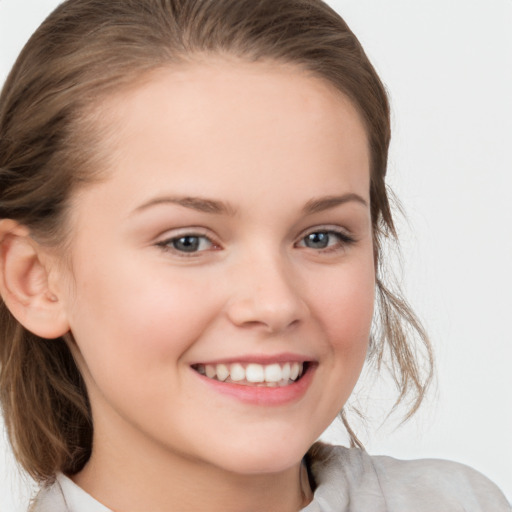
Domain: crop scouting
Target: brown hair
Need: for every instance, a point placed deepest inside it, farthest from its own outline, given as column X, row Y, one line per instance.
column 89, row 49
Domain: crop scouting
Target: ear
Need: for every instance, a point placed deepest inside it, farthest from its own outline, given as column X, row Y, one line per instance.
column 24, row 283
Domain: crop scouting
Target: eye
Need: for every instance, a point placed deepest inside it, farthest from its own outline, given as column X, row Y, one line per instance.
column 188, row 243
column 325, row 239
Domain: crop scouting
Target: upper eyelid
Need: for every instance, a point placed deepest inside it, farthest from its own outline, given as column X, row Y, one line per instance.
column 169, row 235
column 184, row 235
column 327, row 228
column 166, row 239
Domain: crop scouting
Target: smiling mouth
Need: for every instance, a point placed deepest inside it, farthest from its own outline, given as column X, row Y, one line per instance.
column 252, row 374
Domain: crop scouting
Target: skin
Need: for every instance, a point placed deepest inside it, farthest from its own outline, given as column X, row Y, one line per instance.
column 266, row 140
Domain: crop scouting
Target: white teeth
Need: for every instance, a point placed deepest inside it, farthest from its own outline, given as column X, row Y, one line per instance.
column 254, row 373
column 294, row 371
column 237, row 372
column 222, row 372
column 210, row 371
column 286, row 371
column 273, row 373
column 270, row 375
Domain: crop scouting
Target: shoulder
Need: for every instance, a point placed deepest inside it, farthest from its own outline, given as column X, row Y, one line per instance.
column 65, row 496
column 49, row 499
column 444, row 483
column 427, row 485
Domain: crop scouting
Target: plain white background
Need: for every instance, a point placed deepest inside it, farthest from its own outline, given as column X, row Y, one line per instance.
column 447, row 66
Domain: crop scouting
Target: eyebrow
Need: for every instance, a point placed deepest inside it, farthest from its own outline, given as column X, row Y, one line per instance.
column 325, row 203
column 195, row 203
column 214, row 206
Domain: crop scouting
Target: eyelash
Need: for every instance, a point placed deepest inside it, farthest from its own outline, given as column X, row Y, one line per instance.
column 343, row 240
column 168, row 245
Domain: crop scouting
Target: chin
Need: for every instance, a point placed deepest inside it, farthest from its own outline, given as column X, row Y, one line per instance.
column 265, row 458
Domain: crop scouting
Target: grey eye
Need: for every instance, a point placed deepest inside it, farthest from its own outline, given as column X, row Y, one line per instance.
column 319, row 240
column 188, row 243
column 326, row 240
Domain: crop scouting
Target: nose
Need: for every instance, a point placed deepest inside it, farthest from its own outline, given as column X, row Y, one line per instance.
column 266, row 295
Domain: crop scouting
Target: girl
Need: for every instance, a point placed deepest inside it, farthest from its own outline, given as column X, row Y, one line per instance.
column 193, row 204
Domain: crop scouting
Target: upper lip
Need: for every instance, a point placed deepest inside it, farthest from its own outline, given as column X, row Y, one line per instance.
column 259, row 359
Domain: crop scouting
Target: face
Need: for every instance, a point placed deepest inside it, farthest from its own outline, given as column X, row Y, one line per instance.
column 222, row 277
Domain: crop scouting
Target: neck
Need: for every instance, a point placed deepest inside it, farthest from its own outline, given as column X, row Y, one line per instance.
column 191, row 488
column 146, row 477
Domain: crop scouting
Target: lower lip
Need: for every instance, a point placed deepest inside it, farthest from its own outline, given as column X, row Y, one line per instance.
column 260, row 395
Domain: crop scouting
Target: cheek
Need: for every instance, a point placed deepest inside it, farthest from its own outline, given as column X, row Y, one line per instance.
column 345, row 308
column 347, row 313
column 126, row 320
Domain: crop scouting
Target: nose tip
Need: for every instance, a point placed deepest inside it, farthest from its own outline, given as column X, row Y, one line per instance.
column 256, row 312
column 269, row 301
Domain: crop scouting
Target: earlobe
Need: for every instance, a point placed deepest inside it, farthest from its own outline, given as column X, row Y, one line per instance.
column 24, row 284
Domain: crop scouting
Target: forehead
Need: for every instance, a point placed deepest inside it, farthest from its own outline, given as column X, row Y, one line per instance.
column 254, row 123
